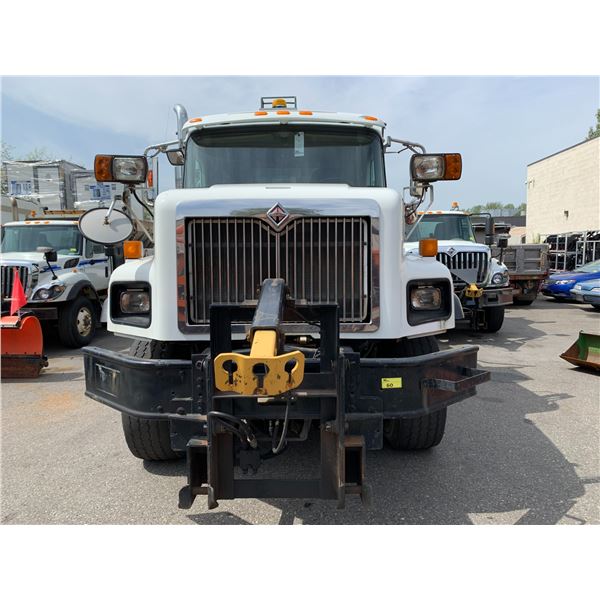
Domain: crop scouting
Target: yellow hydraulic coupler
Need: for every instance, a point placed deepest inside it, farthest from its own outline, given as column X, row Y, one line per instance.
column 263, row 373
column 473, row 291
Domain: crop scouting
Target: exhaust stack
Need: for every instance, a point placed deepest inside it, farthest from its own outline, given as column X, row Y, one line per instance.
column 182, row 117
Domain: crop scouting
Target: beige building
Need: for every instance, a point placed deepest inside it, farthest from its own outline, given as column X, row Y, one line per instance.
column 563, row 191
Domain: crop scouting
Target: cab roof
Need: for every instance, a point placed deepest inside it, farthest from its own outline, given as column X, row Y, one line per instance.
column 283, row 116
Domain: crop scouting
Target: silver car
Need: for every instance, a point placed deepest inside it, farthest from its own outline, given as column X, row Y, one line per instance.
column 587, row 292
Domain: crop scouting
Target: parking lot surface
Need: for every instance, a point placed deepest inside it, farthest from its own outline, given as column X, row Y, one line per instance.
column 524, row 450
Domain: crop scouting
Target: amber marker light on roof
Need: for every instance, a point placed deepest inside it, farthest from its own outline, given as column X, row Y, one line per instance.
column 305, row 112
column 261, row 113
column 370, row 118
column 195, row 120
column 428, row 247
column 283, row 112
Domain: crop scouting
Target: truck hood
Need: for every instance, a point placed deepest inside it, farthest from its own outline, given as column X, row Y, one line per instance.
column 22, row 259
column 449, row 245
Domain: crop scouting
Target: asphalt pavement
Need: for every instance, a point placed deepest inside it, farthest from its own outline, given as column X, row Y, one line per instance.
column 525, row 450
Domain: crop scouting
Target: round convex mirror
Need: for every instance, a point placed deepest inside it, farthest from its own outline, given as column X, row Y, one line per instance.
column 96, row 227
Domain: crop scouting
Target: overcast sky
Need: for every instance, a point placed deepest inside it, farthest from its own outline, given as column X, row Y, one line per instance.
column 498, row 124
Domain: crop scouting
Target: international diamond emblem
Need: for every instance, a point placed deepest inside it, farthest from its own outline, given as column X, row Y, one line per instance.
column 451, row 252
column 277, row 215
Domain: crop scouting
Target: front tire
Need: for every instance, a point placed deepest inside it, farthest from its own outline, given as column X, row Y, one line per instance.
column 149, row 439
column 494, row 317
column 77, row 323
column 417, row 433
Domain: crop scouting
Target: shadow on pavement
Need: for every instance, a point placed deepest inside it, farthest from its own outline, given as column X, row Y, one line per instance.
column 492, row 460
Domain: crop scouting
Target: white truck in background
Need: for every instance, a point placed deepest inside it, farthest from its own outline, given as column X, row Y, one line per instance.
column 480, row 280
column 64, row 276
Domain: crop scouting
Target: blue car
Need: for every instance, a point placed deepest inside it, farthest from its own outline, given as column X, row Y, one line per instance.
column 558, row 285
column 587, row 292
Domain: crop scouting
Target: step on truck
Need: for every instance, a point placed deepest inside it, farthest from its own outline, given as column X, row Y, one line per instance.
column 480, row 280
column 280, row 305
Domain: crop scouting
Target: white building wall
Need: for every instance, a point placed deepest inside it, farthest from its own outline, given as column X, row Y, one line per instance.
column 563, row 191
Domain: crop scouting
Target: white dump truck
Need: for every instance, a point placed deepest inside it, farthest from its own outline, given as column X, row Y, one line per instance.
column 64, row 276
column 480, row 280
column 280, row 299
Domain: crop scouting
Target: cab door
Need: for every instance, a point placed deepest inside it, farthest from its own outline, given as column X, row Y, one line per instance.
column 94, row 264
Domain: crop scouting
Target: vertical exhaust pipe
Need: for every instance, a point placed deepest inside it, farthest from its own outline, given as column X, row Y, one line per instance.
column 182, row 117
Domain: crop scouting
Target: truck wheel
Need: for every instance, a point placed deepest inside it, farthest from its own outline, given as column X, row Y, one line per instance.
column 494, row 317
column 417, row 433
column 77, row 323
column 149, row 439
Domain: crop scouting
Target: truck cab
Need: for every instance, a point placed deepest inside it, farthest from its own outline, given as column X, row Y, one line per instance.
column 64, row 276
column 280, row 295
column 480, row 280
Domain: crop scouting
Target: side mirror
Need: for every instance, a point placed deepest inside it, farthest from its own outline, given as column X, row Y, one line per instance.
column 176, row 157
column 489, row 239
column 49, row 253
column 502, row 242
column 120, row 169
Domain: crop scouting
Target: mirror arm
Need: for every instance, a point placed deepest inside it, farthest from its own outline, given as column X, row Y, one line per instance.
column 160, row 148
column 410, row 145
column 50, row 267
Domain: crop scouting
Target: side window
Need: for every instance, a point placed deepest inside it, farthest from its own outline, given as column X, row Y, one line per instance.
column 92, row 249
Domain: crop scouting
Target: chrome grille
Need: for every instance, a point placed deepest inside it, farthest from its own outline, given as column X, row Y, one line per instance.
column 475, row 262
column 7, row 276
column 322, row 259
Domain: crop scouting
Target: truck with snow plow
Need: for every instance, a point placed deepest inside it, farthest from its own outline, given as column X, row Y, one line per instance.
column 280, row 304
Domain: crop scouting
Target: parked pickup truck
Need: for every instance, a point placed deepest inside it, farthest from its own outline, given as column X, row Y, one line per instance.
column 527, row 264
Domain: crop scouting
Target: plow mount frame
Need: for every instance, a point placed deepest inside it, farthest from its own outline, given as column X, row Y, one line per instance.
column 320, row 397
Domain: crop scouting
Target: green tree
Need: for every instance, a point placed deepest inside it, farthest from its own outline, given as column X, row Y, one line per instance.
column 7, row 151
column 40, row 154
column 509, row 209
column 594, row 133
column 521, row 210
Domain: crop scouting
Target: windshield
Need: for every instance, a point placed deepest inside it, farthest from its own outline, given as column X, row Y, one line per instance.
column 591, row 267
column 65, row 239
column 285, row 154
column 443, row 227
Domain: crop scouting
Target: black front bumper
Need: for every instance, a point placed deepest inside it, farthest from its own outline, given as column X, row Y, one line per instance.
column 378, row 389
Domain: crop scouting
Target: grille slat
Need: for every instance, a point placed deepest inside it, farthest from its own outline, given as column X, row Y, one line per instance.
column 472, row 261
column 7, row 276
column 322, row 259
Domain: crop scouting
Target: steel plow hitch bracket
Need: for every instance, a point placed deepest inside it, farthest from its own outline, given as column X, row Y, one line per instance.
column 264, row 372
column 259, row 374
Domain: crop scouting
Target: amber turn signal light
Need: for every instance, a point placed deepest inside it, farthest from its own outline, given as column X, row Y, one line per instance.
column 133, row 249
column 103, row 167
column 428, row 247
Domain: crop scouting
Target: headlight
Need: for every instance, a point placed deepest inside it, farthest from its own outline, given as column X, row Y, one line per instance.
column 54, row 291
column 500, row 278
column 135, row 301
column 426, row 297
column 433, row 167
column 565, row 281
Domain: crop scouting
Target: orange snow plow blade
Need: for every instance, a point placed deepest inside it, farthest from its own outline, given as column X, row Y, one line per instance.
column 21, row 347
